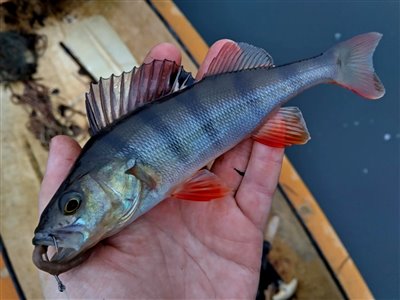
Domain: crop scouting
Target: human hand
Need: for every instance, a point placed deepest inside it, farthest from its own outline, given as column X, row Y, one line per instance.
column 179, row 249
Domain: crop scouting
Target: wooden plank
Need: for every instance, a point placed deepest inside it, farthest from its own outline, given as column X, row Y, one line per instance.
column 98, row 47
column 302, row 199
column 294, row 256
column 186, row 32
column 7, row 289
column 19, row 190
column 137, row 25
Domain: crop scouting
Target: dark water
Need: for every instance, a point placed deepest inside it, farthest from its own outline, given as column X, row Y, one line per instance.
column 351, row 164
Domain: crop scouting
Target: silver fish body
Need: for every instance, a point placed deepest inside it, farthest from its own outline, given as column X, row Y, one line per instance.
column 179, row 135
column 169, row 139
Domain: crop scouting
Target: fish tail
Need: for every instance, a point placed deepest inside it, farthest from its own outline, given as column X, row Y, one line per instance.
column 355, row 70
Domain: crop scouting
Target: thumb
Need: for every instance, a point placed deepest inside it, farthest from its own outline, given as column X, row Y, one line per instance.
column 62, row 155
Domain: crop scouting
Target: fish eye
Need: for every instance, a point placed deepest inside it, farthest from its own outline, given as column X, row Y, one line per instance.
column 72, row 204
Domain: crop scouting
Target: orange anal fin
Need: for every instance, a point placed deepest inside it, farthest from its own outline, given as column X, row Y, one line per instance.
column 284, row 128
column 203, row 186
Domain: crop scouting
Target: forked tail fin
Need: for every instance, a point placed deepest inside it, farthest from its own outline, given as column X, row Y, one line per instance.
column 355, row 66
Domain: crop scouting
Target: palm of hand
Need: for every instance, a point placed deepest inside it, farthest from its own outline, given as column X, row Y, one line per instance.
column 179, row 249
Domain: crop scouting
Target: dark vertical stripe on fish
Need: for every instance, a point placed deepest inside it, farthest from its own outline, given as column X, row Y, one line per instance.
column 114, row 141
column 207, row 125
column 156, row 122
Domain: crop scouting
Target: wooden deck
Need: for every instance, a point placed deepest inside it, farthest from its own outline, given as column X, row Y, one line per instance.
column 23, row 160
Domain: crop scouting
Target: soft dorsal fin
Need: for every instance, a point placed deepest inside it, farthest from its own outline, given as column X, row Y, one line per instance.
column 239, row 56
column 114, row 97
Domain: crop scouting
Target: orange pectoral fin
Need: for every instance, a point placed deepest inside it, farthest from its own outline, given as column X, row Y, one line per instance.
column 143, row 173
column 203, row 186
column 284, row 128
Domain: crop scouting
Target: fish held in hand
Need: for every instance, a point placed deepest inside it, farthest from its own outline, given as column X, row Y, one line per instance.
column 155, row 128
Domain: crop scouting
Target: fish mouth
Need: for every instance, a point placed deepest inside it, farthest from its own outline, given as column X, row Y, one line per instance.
column 64, row 259
column 40, row 260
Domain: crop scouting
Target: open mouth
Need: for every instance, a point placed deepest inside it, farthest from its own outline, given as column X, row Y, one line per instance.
column 64, row 259
column 40, row 259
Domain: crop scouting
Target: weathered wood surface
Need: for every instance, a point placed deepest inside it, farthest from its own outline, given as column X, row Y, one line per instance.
column 19, row 189
column 294, row 256
column 7, row 290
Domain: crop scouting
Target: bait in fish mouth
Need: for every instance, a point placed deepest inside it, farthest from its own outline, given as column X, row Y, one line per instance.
column 155, row 128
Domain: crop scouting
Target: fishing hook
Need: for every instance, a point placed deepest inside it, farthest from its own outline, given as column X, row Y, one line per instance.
column 61, row 286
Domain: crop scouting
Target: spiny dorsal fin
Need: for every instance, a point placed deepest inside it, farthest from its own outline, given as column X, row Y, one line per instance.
column 239, row 56
column 111, row 98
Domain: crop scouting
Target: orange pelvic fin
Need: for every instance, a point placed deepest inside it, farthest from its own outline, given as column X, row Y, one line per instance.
column 284, row 128
column 203, row 186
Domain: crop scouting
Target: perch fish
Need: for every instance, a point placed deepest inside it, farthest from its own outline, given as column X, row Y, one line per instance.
column 155, row 128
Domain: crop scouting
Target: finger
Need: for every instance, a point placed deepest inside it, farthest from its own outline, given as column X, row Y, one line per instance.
column 62, row 155
column 212, row 53
column 164, row 51
column 255, row 192
column 229, row 165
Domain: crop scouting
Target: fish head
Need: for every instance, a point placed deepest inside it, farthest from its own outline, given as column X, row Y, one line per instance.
column 85, row 209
